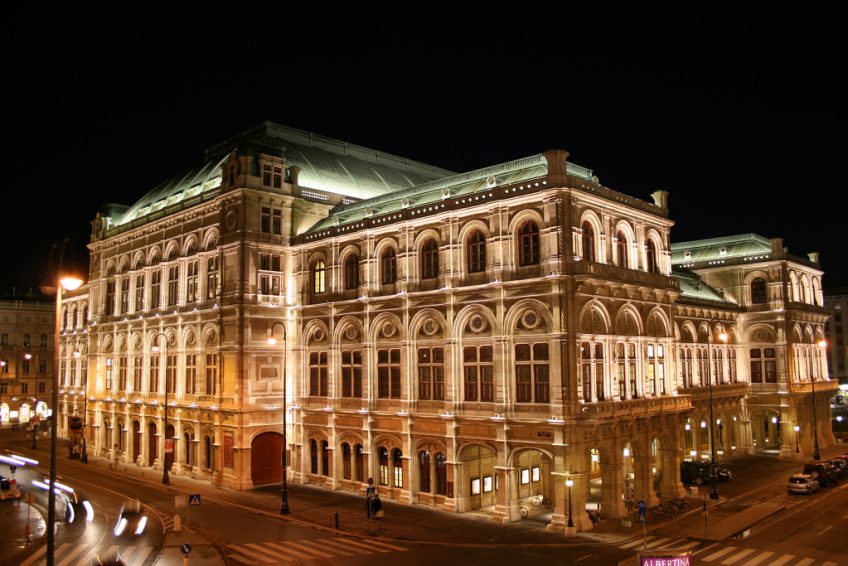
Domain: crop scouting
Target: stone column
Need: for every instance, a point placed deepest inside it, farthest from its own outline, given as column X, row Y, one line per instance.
column 612, row 507
column 671, row 486
column 507, row 509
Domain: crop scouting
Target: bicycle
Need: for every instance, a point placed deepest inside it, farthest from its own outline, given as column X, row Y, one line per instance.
column 540, row 499
column 524, row 512
column 376, row 528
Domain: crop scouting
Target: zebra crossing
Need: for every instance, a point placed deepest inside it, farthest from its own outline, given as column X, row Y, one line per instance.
column 725, row 555
column 78, row 554
column 306, row 549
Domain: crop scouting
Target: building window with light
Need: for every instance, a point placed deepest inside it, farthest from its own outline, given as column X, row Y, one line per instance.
column 139, row 292
column 388, row 265
column 137, row 369
column 351, row 373
column 63, row 371
column 269, row 274
column 212, row 277
column 431, row 374
column 430, row 260
column 83, row 371
column 109, row 376
column 397, row 467
column 592, row 370
column 319, row 277
column 528, row 250
column 122, row 373
column 109, row 307
column 388, row 373
column 26, row 340
column 125, row 295
column 318, row 374
column 153, row 374
column 478, row 373
column 476, row 252
column 191, row 282
column 532, row 381
column 703, row 367
column 384, row 466
column 655, row 378
column 626, row 376
column 171, row 373
column 763, row 365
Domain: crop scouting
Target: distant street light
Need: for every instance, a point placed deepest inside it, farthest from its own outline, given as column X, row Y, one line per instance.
column 797, row 448
column 284, row 487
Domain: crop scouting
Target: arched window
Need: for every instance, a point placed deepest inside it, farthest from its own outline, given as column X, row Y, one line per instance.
column 528, row 251
column 476, row 251
column 207, row 452
column 424, row 471
column 588, row 241
column 430, row 260
column 758, row 291
column 313, row 456
column 389, row 266
column 621, row 249
column 397, row 467
column 651, row 257
column 352, row 272
column 319, row 273
column 346, row 461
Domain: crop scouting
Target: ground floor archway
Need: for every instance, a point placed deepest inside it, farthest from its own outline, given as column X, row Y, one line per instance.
column 266, row 464
column 477, row 477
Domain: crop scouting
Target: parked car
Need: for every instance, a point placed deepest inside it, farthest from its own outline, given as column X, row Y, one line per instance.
column 826, row 474
column 698, row 473
column 841, row 465
column 802, row 483
column 9, row 489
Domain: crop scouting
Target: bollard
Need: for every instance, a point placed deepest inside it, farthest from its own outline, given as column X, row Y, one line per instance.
column 337, row 520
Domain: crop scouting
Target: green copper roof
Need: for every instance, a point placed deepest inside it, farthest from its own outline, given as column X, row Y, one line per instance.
column 325, row 164
column 713, row 249
column 455, row 185
column 693, row 287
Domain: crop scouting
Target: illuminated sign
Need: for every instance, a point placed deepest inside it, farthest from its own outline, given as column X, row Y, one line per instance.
column 665, row 558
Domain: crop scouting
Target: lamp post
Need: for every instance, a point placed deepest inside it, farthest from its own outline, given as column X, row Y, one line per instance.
column 165, row 479
column 797, row 431
column 568, row 483
column 284, row 487
column 70, row 283
column 713, row 477
column 816, row 455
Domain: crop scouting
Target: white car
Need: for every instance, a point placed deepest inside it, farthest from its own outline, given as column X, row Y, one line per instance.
column 803, row 483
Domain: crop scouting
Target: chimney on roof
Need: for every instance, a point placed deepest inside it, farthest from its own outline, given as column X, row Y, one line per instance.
column 557, row 163
column 660, row 199
column 777, row 245
column 814, row 256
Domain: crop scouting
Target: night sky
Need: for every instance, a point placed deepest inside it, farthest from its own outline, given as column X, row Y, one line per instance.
column 740, row 116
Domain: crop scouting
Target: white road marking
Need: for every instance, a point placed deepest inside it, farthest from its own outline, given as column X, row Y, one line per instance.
column 689, row 545
column 582, row 558
column 286, row 548
column 783, row 560
column 387, row 545
column 367, row 547
column 758, row 558
column 315, row 543
column 247, row 552
column 719, row 554
column 737, row 557
column 308, row 548
column 270, row 552
column 658, row 543
column 71, row 555
column 38, row 554
column 823, row 531
column 636, row 542
column 806, row 562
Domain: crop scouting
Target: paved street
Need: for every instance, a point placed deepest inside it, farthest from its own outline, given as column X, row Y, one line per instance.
column 245, row 527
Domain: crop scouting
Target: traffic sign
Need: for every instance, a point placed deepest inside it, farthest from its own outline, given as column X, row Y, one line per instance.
column 169, row 446
column 194, row 499
column 185, row 548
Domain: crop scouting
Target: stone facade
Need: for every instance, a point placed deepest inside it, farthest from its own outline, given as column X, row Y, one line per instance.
column 468, row 340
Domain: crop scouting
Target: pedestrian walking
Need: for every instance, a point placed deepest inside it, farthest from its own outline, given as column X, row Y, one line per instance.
column 374, row 510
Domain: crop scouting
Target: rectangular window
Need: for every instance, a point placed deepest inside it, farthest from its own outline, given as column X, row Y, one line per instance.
column 73, row 380
column 431, row 374
column 109, row 375
column 388, row 374
column 155, row 289
column 191, row 282
column 756, row 365
column 42, row 387
column 84, row 371
column 278, row 177
column 770, row 365
column 125, row 295
column 110, row 299
column 266, row 175
column 137, row 368
column 190, row 374
column 139, row 292
column 318, row 374
column 153, row 375
column 525, row 476
column 478, row 371
column 171, row 373
column 352, row 373
column 24, row 388
column 173, row 284
column 44, row 339
column 211, row 374
column 277, row 222
column 122, row 373
column 62, row 372
column 265, row 220
column 212, row 277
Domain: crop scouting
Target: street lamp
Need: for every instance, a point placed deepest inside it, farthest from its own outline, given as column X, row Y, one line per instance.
column 713, row 476
column 568, row 483
column 28, row 357
column 165, row 479
column 816, row 455
column 797, row 430
column 70, row 283
column 284, row 487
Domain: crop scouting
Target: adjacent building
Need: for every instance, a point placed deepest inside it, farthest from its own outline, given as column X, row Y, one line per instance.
column 469, row 340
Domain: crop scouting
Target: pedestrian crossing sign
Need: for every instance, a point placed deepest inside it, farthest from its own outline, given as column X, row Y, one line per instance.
column 194, row 499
